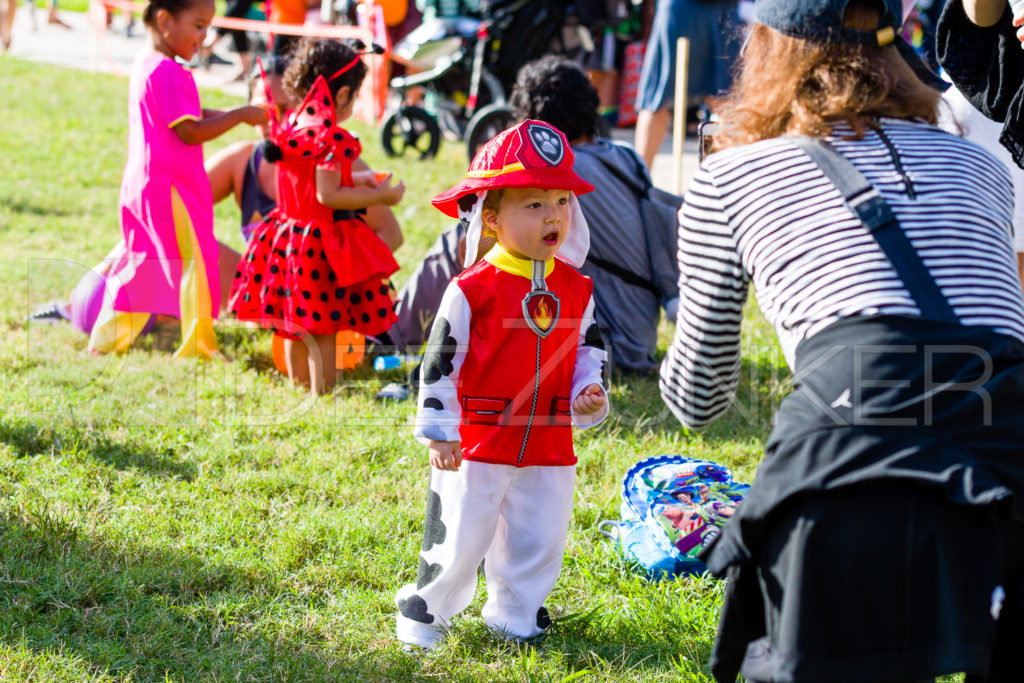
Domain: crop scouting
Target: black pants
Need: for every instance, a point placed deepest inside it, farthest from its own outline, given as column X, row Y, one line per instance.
column 889, row 581
column 237, row 9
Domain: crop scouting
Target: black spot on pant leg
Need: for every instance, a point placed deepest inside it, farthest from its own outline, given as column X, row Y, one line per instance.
column 415, row 608
column 434, row 530
column 543, row 618
column 427, row 573
column 434, row 403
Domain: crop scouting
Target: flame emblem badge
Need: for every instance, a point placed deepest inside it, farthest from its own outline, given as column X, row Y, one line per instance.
column 540, row 309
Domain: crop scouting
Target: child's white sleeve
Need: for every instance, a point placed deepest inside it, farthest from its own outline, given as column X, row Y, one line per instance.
column 439, row 413
column 590, row 361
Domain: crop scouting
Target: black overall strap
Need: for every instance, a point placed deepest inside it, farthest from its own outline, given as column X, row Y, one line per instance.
column 867, row 203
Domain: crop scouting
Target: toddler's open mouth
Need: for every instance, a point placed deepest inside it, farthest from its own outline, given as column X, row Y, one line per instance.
column 551, row 238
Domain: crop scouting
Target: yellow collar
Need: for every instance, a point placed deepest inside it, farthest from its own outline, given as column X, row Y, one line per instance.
column 501, row 259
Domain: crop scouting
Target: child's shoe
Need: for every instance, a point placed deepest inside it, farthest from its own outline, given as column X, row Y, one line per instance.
column 543, row 625
column 393, row 392
column 52, row 312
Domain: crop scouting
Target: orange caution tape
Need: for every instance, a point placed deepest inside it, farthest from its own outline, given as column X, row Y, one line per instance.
column 372, row 99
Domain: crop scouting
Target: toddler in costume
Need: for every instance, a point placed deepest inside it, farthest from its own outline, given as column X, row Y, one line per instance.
column 514, row 358
column 168, row 264
column 313, row 267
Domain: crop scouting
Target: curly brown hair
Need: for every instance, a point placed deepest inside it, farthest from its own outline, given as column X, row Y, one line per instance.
column 793, row 86
column 314, row 57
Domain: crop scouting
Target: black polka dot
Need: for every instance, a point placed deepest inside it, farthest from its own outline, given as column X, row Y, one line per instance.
column 327, row 123
column 316, row 233
column 263, row 237
column 365, row 317
column 324, row 297
column 310, row 133
column 314, row 274
column 351, row 321
column 274, row 270
column 293, row 143
column 316, row 316
column 247, row 297
column 349, row 153
column 354, row 299
column 250, row 257
column 301, row 312
column 287, row 292
column 331, row 276
column 310, row 110
column 300, row 271
column 338, row 137
column 327, row 101
column 383, row 313
column 339, row 293
column 384, row 290
column 306, row 294
column 257, row 278
column 269, row 310
column 307, row 153
column 335, row 316
column 280, row 291
column 310, row 252
column 323, row 255
column 238, row 273
column 369, row 295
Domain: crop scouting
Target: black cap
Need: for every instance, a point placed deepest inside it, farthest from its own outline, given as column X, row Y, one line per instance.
column 823, row 20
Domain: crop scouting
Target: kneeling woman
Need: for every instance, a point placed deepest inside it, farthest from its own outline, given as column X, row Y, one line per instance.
column 883, row 538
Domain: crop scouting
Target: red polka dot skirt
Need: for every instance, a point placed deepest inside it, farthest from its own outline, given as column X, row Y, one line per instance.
column 317, row 278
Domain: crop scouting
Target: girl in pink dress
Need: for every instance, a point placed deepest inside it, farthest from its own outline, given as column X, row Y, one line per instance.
column 169, row 263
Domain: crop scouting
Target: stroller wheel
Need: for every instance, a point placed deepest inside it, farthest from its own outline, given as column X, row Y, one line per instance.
column 410, row 129
column 485, row 124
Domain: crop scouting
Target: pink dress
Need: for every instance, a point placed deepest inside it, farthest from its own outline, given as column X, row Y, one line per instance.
column 165, row 204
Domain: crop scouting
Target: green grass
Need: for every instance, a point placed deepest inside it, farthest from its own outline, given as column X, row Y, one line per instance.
column 206, row 521
column 66, row 5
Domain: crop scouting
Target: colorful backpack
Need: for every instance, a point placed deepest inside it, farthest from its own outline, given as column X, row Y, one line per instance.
column 672, row 507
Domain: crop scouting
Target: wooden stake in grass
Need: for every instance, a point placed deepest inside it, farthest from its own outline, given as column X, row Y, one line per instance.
column 679, row 116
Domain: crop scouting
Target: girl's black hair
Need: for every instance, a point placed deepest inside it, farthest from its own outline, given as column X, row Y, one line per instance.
column 554, row 90
column 173, row 7
column 314, row 57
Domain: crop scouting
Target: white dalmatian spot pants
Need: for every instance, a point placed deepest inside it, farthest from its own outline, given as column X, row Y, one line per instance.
column 514, row 519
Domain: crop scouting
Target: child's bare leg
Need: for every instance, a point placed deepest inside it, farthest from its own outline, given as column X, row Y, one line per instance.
column 7, row 9
column 324, row 367
column 297, row 361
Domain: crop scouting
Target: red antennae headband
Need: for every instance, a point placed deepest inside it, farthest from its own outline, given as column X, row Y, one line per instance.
column 345, row 68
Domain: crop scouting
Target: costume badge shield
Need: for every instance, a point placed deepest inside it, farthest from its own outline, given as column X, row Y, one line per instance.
column 540, row 309
column 548, row 145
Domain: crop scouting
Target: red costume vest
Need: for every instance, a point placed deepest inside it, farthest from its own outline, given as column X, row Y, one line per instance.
column 508, row 416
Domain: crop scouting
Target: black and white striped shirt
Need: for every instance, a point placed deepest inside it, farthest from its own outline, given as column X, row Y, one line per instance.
column 765, row 213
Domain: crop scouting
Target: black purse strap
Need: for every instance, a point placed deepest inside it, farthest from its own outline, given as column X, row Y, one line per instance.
column 867, row 203
column 641, row 178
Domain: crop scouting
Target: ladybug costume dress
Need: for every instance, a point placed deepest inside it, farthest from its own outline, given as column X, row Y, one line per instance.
column 309, row 268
